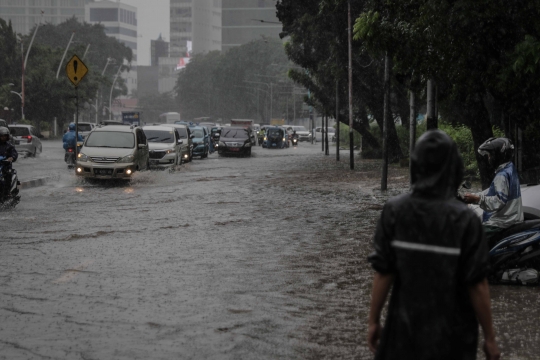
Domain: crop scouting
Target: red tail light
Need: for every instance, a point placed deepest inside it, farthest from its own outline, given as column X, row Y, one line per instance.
column 28, row 138
column 70, row 150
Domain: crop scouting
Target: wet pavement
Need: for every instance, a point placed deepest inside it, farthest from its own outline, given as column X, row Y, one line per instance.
column 226, row 258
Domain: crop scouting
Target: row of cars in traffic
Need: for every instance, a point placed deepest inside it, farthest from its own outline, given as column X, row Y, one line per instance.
column 115, row 151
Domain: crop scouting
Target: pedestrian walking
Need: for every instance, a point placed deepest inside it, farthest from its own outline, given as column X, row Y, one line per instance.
column 432, row 250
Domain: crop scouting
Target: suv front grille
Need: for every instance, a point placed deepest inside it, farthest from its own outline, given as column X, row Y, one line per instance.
column 156, row 154
column 234, row 145
column 104, row 160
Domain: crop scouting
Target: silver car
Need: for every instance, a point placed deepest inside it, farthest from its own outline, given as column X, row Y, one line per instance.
column 26, row 139
column 165, row 146
column 85, row 128
column 113, row 152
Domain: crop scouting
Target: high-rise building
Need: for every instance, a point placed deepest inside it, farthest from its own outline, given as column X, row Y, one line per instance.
column 242, row 21
column 120, row 22
column 24, row 14
column 198, row 21
column 158, row 48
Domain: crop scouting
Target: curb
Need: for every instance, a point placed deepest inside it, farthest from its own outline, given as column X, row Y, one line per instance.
column 36, row 182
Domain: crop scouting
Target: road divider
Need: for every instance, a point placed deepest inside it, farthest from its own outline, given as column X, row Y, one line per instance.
column 37, row 182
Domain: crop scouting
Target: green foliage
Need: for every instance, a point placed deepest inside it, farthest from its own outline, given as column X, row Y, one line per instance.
column 244, row 82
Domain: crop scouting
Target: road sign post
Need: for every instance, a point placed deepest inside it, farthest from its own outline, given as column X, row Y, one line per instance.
column 76, row 70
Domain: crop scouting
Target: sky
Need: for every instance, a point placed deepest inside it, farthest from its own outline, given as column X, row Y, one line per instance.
column 152, row 19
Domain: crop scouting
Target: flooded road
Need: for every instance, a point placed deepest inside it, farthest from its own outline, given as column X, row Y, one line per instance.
column 226, row 258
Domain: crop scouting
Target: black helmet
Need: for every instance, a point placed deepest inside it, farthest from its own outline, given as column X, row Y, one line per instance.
column 500, row 150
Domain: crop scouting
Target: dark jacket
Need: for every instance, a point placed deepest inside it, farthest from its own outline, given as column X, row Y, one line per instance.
column 7, row 150
column 435, row 247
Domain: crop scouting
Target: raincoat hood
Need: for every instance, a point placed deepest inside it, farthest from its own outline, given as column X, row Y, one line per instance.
column 436, row 166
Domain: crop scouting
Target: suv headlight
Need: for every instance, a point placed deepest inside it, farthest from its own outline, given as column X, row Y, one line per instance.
column 82, row 157
column 127, row 159
column 247, row 144
column 221, row 143
column 170, row 151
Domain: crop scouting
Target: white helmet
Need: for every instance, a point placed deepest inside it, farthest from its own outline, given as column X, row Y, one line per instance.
column 4, row 131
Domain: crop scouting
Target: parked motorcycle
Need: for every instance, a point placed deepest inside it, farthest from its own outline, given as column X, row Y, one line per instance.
column 515, row 252
column 11, row 197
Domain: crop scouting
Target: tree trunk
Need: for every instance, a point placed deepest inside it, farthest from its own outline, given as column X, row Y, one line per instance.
column 367, row 138
column 386, row 121
column 431, row 116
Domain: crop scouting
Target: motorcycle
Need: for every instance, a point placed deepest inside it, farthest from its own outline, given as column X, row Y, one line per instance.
column 11, row 197
column 294, row 141
column 69, row 156
column 515, row 252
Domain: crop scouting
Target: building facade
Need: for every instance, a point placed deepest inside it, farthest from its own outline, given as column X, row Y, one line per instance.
column 25, row 14
column 241, row 21
column 120, row 22
column 198, row 21
column 158, row 48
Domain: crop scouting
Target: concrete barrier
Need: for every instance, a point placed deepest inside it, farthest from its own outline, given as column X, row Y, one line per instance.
column 36, row 182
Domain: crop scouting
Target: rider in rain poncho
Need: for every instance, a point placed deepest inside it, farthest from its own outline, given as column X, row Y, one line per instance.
column 69, row 137
column 432, row 249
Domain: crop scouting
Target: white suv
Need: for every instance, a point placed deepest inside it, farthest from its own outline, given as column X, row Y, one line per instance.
column 113, row 152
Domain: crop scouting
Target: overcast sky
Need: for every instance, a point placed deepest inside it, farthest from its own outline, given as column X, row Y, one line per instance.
column 152, row 19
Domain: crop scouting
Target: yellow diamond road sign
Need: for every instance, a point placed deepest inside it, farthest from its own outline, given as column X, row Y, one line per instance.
column 76, row 70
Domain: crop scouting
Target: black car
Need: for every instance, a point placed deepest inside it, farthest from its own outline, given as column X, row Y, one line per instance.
column 234, row 141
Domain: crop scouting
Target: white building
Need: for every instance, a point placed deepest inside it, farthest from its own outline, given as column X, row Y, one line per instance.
column 120, row 22
column 24, row 14
column 198, row 21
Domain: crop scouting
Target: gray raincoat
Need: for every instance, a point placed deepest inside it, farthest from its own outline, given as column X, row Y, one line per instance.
column 435, row 248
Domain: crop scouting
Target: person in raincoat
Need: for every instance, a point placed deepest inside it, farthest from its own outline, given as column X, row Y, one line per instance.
column 69, row 137
column 431, row 248
column 501, row 202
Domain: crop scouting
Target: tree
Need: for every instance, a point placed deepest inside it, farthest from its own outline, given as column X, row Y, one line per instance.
column 244, row 82
column 318, row 43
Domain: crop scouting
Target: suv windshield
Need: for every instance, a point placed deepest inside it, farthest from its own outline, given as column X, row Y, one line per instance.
column 85, row 127
column 198, row 133
column 159, row 136
column 110, row 139
column 274, row 132
column 19, row 131
column 235, row 133
column 182, row 132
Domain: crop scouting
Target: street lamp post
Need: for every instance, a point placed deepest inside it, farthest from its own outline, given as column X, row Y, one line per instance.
column 270, row 85
column 109, row 61
column 64, row 56
column 26, row 61
column 112, row 87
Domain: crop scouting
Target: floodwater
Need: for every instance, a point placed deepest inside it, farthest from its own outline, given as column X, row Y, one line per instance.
column 225, row 258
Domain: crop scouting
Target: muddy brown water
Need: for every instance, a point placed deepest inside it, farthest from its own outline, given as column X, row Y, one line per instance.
column 225, row 258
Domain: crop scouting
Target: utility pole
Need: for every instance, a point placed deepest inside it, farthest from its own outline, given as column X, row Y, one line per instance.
column 351, row 135
column 384, row 180
column 412, row 123
column 337, row 120
column 326, row 148
column 431, row 122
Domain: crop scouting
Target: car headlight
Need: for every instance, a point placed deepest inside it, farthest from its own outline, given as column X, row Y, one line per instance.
column 283, row 139
column 127, row 159
column 82, row 157
column 221, row 143
column 265, row 138
column 170, row 151
column 248, row 144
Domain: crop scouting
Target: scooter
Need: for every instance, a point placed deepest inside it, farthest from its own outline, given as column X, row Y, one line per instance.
column 69, row 156
column 10, row 198
column 294, row 141
column 515, row 253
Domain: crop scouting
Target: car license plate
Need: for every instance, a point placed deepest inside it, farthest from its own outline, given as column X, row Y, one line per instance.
column 235, row 149
column 103, row 171
column 274, row 145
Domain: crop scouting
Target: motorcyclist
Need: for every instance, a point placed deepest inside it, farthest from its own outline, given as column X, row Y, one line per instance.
column 501, row 202
column 8, row 151
column 294, row 135
column 69, row 137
